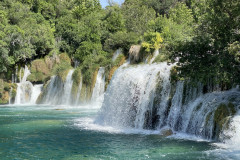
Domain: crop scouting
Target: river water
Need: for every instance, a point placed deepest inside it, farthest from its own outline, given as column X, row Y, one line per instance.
column 61, row 132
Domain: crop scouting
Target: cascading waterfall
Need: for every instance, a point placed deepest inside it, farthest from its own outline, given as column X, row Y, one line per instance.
column 67, row 88
column 27, row 93
column 10, row 96
column 58, row 92
column 142, row 97
column 176, row 105
column 36, row 91
column 78, row 93
column 98, row 91
column 129, row 97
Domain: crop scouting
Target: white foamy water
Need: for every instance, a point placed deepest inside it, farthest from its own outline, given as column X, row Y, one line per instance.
column 88, row 124
column 58, row 92
column 138, row 97
column 36, row 91
column 130, row 95
column 27, row 93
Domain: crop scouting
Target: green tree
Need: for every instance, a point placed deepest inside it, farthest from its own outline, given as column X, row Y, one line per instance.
column 137, row 16
column 84, row 7
column 219, row 25
column 114, row 19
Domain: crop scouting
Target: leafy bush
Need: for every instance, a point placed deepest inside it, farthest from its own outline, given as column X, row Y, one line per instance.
column 121, row 40
column 152, row 41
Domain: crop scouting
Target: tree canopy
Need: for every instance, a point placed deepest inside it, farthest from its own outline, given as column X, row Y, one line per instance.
column 203, row 35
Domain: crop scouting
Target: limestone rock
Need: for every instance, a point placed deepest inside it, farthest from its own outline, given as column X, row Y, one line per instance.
column 134, row 53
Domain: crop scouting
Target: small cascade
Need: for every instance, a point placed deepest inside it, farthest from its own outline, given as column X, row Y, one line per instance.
column 142, row 97
column 76, row 63
column 98, row 91
column 58, row 92
column 155, row 54
column 116, row 54
column 10, row 96
column 176, row 105
column 26, row 92
column 78, row 93
column 36, row 91
column 53, row 91
column 67, row 88
column 13, row 79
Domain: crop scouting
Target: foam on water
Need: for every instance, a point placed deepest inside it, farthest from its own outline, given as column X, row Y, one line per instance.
column 27, row 93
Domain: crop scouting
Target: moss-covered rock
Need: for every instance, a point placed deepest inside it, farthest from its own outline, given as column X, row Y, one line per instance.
column 77, row 77
column 4, row 97
column 116, row 64
column 221, row 117
column 94, row 79
column 65, row 58
column 42, row 69
column 62, row 70
column 39, row 71
column 43, row 93
column 7, row 91
column 85, row 95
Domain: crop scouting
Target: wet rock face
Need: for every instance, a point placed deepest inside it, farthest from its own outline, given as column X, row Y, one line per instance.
column 134, row 53
column 221, row 118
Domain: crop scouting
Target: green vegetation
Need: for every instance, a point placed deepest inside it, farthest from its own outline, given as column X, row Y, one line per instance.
column 5, row 89
column 203, row 35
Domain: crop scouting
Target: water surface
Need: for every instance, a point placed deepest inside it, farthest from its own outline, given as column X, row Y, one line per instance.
column 58, row 132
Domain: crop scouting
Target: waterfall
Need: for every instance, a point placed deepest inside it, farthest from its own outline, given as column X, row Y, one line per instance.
column 36, row 91
column 26, row 92
column 78, row 92
column 98, row 91
column 155, row 54
column 116, row 54
column 10, row 96
column 176, row 105
column 67, row 88
column 129, row 97
column 143, row 97
column 58, row 92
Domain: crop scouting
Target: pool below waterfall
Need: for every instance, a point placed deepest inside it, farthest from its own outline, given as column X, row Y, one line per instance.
column 61, row 132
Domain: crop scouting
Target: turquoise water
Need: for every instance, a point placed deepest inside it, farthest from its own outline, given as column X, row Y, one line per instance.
column 48, row 132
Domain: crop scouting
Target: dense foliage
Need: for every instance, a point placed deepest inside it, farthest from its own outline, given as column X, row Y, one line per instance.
column 203, row 35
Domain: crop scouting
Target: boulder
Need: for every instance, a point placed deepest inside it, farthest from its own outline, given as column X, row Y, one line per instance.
column 134, row 53
column 166, row 132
